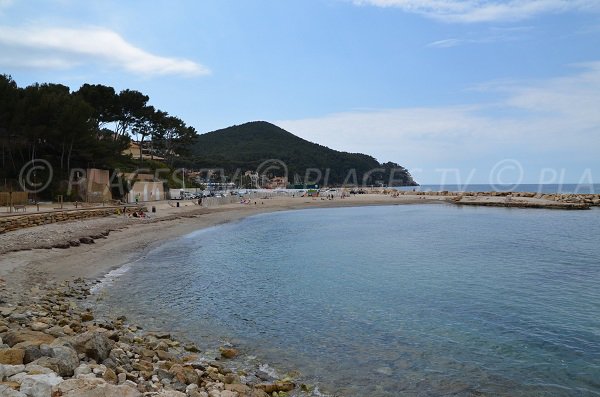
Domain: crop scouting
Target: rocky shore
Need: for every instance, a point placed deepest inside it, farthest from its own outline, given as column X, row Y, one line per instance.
column 567, row 201
column 51, row 345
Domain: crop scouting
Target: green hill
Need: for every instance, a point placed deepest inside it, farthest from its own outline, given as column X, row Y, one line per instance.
column 248, row 145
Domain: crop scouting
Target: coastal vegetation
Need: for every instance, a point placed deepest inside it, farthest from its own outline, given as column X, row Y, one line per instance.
column 250, row 145
column 95, row 125
column 87, row 128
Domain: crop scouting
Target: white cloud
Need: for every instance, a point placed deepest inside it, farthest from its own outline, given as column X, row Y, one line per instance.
column 550, row 121
column 492, row 35
column 467, row 11
column 64, row 48
column 446, row 43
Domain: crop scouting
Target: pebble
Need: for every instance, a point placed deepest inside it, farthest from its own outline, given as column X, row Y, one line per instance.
column 52, row 346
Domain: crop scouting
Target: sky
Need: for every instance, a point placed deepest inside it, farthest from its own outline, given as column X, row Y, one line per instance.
column 473, row 91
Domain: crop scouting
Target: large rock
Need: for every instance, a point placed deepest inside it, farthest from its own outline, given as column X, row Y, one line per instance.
column 32, row 353
column 65, row 357
column 39, row 326
column 6, row 391
column 170, row 393
column 39, row 385
column 184, row 374
column 49, row 363
column 34, row 369
column 238, row 388
column 10, row 370
column 228, row 352
column 27, row 338
column 276, row 387
column 11, row 356
column 93, row 388
column 94, row 344
column 6, row 311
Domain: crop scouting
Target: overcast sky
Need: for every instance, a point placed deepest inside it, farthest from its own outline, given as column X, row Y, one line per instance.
column 456, row 91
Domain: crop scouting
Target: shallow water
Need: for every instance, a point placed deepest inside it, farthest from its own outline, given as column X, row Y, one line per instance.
column 390, row 301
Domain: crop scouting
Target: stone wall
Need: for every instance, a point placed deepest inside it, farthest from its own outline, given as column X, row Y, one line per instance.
column 14, row 222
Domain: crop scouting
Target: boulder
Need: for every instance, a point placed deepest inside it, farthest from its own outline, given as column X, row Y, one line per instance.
column 27, row 338
column 170, row 393
column 39, row 385
column 39, row 326
column 191, row 347
column 32, row 353
column 87, row 316
column 276, row 387
column 110, row 376
column 238, row 387
column 6, row 391
column 65, row 356
column 6, row 311
column 94, row 344
column 228, row 352
column 34, row 369
column 11, row 356
column 10, row 370
column 197, row 393
column 83, row 369
column 93, row 388
column 51, row 364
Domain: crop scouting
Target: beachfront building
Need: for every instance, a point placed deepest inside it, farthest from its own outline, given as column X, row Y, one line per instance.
column 93, row 186
column 144, row 188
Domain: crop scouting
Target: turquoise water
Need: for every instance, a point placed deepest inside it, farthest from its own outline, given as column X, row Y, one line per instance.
column 413, row 300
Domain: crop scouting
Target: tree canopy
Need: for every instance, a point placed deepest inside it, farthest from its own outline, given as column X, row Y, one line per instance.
column 249, row 145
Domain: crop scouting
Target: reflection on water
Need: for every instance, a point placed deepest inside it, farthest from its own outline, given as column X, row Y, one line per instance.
column 389, row 301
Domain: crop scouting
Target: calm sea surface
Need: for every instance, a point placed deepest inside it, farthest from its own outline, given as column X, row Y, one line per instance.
column 582, row 188
column 412, row 300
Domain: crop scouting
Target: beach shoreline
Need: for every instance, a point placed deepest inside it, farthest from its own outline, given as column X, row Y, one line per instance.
column 27, row 256
column 29, row 270
column 31, row 273
column 122, row 240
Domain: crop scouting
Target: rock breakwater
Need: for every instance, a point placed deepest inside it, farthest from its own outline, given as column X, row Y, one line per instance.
column 511, row 199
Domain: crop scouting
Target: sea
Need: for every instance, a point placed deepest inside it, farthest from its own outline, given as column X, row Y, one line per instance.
column 386, row 301
column 545, row 188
